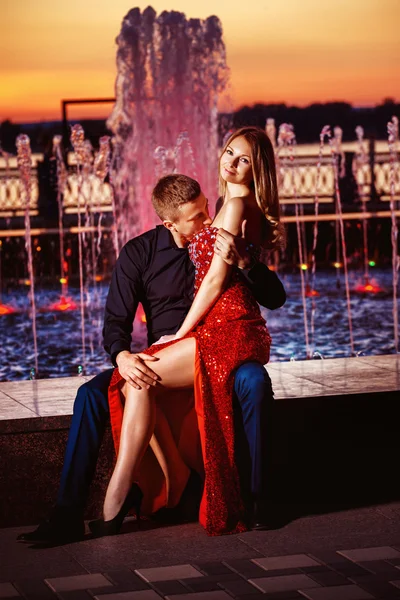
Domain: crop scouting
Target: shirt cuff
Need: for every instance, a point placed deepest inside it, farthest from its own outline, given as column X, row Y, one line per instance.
column 251, row 271
column 116, row 348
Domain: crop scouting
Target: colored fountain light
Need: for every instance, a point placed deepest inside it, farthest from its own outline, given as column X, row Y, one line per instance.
column 64, row 304
column 7, row 310
column 369, row 287
column 140, row 315
column 311, row 293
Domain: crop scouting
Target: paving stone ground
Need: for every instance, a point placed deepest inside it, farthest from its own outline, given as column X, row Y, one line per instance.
column 344, row 555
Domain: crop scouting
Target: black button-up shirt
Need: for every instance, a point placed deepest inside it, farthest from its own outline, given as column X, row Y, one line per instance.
column 153, row 271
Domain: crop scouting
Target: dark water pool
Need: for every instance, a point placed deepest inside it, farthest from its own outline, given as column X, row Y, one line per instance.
column 59, row 334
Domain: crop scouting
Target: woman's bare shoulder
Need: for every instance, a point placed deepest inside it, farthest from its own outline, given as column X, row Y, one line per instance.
column 234, row 213
column 237, row 204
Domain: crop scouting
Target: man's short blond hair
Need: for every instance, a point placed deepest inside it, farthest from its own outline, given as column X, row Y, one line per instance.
column 171, row 192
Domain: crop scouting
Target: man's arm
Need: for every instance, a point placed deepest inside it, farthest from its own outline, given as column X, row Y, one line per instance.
column 265, row 285
column 123, row 298
column 122, row 301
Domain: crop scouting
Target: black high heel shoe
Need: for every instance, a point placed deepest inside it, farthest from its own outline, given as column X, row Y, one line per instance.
column 101, row 528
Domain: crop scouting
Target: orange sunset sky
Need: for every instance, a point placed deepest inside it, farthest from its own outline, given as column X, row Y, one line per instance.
column 292, row 51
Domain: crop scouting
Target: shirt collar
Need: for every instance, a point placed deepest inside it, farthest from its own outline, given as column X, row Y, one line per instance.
column 165, row 241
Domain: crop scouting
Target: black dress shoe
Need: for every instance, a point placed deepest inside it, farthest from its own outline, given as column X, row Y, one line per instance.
column 63, row 526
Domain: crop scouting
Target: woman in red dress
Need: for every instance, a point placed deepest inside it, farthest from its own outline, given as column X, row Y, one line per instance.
column 223, row 329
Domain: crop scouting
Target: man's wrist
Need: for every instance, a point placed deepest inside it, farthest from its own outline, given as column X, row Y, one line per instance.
column 247, row 264
column 252, row 258
column 121, row 355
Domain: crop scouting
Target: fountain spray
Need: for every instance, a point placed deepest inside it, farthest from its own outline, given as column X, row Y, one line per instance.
column 171, row 72
column 270, row 130
column 360, row 160
column 62, row 177
column 179, row 158
column 324, row 133
column 24, row 159
column 88, row 192
column 393, row 139
column 115, row 162
column 337, row 157
column 101, row 167
column 77, row 140
column 160, row 156
column 4, row 309
column 287, row 140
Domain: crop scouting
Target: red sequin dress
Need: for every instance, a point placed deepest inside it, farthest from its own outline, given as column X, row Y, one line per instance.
column 231, row 333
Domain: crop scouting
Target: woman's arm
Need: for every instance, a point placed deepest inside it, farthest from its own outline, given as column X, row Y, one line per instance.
column 264, row 284
column 218, row 274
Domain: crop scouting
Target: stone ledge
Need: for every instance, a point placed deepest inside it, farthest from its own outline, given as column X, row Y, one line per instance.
column 298, row 379
column 326, row 446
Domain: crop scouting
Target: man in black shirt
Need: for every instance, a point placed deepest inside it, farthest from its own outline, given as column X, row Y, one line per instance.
column 154, row 269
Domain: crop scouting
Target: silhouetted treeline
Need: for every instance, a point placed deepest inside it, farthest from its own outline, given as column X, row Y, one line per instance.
column 307, row 121
column 41, row 134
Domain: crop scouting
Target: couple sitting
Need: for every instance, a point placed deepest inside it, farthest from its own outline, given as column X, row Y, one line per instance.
column 216, row 343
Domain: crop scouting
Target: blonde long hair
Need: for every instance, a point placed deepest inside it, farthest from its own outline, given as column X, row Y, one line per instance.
column 264, row 181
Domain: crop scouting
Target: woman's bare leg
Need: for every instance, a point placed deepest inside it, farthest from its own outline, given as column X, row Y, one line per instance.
column 175, row 470
column 175, row 368
column 137, row 428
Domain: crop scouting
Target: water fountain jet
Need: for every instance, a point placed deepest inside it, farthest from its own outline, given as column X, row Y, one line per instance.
column 24, row 158
column 171, row 74
column 393, row 140
column 287, row 140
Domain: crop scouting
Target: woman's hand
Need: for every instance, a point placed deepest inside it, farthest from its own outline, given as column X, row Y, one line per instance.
column 233, row 249
column 164, row 339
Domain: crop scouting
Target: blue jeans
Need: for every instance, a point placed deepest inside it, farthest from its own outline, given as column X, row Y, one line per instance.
column 253, row 395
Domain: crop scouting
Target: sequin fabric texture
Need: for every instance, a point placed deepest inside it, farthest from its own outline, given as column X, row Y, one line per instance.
column 231, row 333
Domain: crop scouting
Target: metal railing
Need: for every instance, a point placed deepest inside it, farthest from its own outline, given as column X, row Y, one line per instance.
column 13, row 194
column 300, row 186
column 377, row 182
